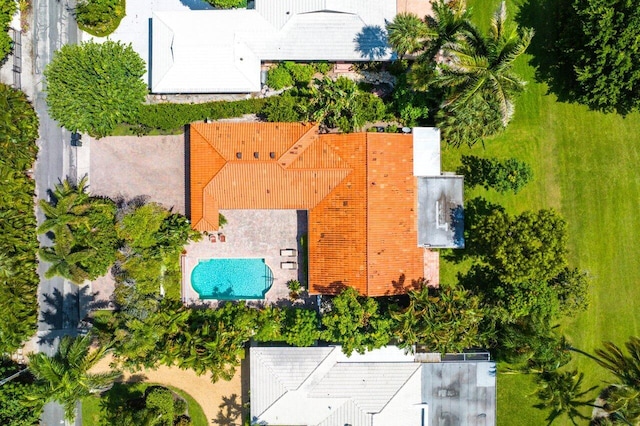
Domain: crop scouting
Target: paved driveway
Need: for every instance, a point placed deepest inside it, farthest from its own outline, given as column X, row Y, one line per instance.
column 130, row 166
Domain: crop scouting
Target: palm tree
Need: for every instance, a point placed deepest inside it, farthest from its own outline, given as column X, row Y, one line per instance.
column 480, row 66
column 335, row 104
column 407, row 33
column 64, row 262
column 7, row 268
column 626, row 368
column 65, row 377
column 562, row 393
column 68, row 208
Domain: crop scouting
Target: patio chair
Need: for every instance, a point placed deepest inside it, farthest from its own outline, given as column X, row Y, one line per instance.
column 289, row 265
column 212, row 238
column 223, row 238
column 288, row 252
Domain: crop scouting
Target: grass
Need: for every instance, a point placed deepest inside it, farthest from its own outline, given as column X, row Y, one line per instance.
column 92, row 413
column 585, row 166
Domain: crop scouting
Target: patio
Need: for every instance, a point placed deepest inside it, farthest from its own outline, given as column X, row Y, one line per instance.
column 252, row 234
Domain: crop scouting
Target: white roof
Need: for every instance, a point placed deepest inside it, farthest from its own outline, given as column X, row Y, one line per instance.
column 337, row 391
column 220, row 51
column 426, row 151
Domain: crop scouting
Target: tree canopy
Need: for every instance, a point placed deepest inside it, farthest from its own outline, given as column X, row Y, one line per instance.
column 91, row 87
column 606, row 60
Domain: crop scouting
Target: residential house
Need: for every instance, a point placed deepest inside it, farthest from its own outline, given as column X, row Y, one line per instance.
column 376, row 202
column 383, row 387
column 221, row 51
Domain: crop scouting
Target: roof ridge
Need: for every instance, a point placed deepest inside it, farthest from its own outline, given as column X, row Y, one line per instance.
column 418, row 369
column 299, row 146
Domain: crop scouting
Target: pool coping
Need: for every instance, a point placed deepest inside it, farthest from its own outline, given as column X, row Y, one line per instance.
column 188, row 264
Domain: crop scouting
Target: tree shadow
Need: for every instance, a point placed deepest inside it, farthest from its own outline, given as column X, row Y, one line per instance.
column 230, row 413
column 556, row 33
column 197, row 5
column 371, row 42
column 475, row 210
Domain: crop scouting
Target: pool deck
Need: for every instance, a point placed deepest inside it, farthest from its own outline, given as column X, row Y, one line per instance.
column 257, row 234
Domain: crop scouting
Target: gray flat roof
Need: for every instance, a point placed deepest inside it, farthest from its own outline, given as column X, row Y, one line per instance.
column 460, row 393
column 441, row 211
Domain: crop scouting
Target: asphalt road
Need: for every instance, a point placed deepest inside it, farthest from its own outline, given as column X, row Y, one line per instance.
column 52, row 27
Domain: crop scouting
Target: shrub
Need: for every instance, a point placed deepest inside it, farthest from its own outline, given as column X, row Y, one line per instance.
column 100, row 17
column 301, row 73
column 279, row 77
column 288, row 107
column 507, row 175
column 300, row 327
column 7, row 10
column 92, row 87
column 227, row 4
column 172, row 117
column 322, row 67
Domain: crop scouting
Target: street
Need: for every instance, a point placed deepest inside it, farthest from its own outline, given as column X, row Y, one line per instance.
column 52, row 27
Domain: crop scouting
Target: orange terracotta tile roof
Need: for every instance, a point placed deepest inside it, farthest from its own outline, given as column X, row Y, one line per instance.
column 359, row 190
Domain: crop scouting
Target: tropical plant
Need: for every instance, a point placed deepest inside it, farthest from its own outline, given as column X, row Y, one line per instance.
column 99, row 17
column 561, row 392
column 480, row 66
column 19, row 244
column 442, row 320
column 295, row 288
column 227, row 4
column 625, row 367
column 7, row 10
column 82, row 228
column 279, row 77
column 300, row 327
column 355, row 322
column 91, row 87
column 341, row 104
column 15, row 409
column 65, row 377
column 407, row 33
column 291, row 106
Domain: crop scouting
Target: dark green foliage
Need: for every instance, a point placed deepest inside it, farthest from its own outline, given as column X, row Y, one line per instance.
column 279, row 77
column 8, row 8
column 341, row 104
column 410, row 106
column 289, row 107
column 469, row 123
column 99, row 17
column 159, row 401
column 355, row 322
column 529, row 247
column 222, row 221
column 572, row 287
column 153, row 240
column 228, row 4
column 82, row 229
column 171, row 117
column 510, row 174
column 445, row 320
column 92, row 87
column 15, row 409
column 561, row 392
column 64, row 377
column 300, row 327
column 606, row 60
column 18, row 242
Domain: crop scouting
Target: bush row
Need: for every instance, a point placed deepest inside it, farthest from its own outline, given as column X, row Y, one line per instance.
column 172, row 117
column 7, row 10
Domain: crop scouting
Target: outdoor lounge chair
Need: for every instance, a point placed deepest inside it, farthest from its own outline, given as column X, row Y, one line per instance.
column 288, row 252
column 289, row 265
column 222, row 238
column 212, row 238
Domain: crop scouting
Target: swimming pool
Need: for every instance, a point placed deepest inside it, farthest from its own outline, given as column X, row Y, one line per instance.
column 231, row 279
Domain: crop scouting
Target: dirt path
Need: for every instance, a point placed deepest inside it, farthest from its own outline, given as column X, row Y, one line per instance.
column 220, row 401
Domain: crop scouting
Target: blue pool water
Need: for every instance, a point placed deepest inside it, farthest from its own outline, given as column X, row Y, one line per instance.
column 231, row 279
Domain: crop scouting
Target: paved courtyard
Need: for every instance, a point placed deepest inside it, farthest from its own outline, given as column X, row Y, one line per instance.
column 130, row 166
column 253, row 234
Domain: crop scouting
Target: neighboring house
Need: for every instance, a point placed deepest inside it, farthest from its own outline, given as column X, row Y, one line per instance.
column 221, row 51
column 384, row 387
column 376, row 202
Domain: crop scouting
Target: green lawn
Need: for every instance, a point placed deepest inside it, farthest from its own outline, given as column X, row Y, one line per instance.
column 586, row 166
column 91, row 412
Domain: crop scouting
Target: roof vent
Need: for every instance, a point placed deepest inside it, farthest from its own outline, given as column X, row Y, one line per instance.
column 272, row 155
column 256, row 155
column 239, row 155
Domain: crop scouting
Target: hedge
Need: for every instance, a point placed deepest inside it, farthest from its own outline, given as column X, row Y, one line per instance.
column 7, row 10
column 171, row 117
